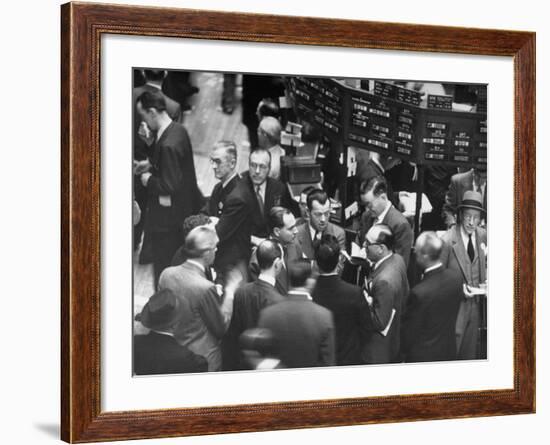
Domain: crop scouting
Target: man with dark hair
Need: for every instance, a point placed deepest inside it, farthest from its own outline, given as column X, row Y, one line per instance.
column 344, row 300
column 158, row 352
column 141, row 143
column 283, row 230
column 224, row 163
column 302, row 204
column 172, row 191
column 244, row 215
column 302, row 330
column 188, row 224
column 267, row 107
column 464, row 251
column 250, row 299
column 386, row 291
column 429, row 320
column 204, row 325
column 318, row 224
column 379, row 210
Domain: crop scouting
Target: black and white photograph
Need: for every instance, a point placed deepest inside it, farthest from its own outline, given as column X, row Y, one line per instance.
column 284, row 221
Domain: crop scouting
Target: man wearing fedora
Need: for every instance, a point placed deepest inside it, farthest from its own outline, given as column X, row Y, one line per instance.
column 158, row 352
column 465, row 251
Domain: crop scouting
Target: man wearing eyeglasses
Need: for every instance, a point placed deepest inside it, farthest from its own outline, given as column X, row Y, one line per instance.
column 318, row 224
column 386, row 291
column 465, row 251
column 243, row 220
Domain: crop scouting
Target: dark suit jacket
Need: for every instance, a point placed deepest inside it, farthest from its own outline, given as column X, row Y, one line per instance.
column 241, row 218
column 276, row 194
column 173, row 179
column 398, row 224
column 389, row 288
column 141, row 150
column 351, row 316
column 292, row 252
column 219, row 195
column 304, row 238
column 249, row 300
column 156, row 353
column 428, row 329
column 460, row 183
column 303, row 331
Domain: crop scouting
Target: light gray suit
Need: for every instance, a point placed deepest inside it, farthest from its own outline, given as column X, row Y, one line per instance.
column 202, row 327
column 454, row 256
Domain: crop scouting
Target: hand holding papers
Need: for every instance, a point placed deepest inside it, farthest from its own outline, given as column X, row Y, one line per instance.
column 471, row 291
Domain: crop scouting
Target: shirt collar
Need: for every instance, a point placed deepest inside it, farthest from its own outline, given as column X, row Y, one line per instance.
column 380, row 261
column 267, row 279
column 385, row 212
column 228, row 180
column 378, row 163
column 435, row 266
column 162, row 129
column 158, row 87
column 296, row 293
column 199, row 265
column 465, row 237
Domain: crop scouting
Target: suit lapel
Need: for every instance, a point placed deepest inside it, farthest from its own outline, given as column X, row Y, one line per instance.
column 460, row 252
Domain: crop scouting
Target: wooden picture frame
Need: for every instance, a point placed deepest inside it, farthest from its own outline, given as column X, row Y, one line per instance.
column 82, row 26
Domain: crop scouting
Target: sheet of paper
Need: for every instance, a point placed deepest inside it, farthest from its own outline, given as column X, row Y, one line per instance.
column 408, row 199
column 387, row 328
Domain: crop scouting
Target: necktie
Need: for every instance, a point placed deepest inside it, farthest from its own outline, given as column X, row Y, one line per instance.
column 471, row 252
column 260, row 199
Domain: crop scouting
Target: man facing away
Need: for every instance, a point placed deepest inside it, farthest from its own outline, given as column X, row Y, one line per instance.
column 302, row 330
column 283, row 230
column 318, row 224
column 385, row 291
column 344, row 300
column 158, row 352
column 250, row 299
column 202, row 329
column 428, row 328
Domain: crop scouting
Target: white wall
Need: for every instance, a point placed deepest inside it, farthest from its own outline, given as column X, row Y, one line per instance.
column 29, row 221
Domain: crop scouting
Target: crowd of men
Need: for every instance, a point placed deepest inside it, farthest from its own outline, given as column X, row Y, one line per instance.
column 251, row 279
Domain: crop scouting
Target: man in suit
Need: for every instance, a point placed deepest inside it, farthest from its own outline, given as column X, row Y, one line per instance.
column 464, row 251
column 250, row 299
column 429, row 320
column 344, row 300
column 283, row 230
column 172, row 191
column 152, row 83
column 379, row 210
column 224, row 163
column 474, row 179
column 386, row 291
column 203, row 326
column 303, row 331
column 243, row 220
column 310, row 233
column 269, row 138
column 158, row 352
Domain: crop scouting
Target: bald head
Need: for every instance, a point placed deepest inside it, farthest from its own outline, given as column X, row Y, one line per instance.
column 201, row 244
column 268, row 251
column 269, row 132
column 378, row 242
column 428, row 249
